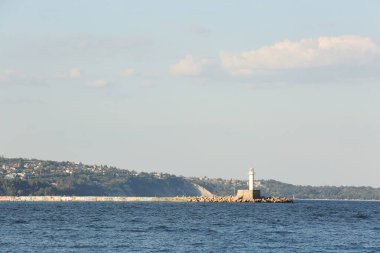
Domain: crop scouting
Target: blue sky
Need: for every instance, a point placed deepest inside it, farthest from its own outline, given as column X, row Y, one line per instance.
column 195, row 88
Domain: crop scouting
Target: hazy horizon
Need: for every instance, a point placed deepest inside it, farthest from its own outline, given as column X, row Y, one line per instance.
column 200, row 89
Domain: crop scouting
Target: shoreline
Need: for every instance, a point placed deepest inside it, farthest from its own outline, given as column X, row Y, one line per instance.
column 193, row 199
column 89, row 199
column 199, row 199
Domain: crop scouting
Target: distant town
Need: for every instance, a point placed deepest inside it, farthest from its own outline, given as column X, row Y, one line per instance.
column 31, row 168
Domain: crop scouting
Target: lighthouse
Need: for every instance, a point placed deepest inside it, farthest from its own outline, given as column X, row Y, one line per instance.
column 251, row 174
column 251, row 193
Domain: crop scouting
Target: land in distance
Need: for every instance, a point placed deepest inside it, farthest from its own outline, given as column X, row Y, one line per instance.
column 27, row 177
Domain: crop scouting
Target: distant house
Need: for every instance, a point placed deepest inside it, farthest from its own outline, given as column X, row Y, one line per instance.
column 11, row 176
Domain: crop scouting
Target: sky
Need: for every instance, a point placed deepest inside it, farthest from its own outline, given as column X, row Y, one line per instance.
column 196, row 88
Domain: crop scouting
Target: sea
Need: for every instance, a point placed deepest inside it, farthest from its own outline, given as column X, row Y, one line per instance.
column 304, row 226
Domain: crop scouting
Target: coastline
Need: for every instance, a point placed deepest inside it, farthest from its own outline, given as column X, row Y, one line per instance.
column 194, row 199
column 89, row 199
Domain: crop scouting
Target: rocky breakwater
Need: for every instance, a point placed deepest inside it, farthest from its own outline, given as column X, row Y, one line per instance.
column 231, row 199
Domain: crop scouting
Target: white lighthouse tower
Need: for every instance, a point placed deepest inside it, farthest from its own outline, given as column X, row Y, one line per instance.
column 251, row 193
column 251, row 174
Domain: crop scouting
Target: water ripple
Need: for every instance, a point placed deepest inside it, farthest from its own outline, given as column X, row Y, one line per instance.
column 305, row 226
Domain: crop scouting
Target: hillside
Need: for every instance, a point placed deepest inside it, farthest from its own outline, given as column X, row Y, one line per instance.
column 276, row 188
column 38, row 177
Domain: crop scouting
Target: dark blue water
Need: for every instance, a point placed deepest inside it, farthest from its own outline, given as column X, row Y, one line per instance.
column 305, row 226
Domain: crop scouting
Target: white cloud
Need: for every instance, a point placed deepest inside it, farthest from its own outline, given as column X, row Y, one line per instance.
column 75, row 73
column 18, row 77
column 10, row 75
column 341, row 51
column 128, row 72
column 189, row 66
column 99, row 83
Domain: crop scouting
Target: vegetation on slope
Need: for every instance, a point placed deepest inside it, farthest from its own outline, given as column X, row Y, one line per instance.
column 35, row 177
column 276, row 188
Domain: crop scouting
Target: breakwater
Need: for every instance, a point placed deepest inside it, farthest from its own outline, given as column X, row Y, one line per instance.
column 227, row 199
column 89, row 199
column 231, row 199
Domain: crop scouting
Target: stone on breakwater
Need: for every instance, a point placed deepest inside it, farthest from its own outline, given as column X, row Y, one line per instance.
column 229, row 199
column 213, row 199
